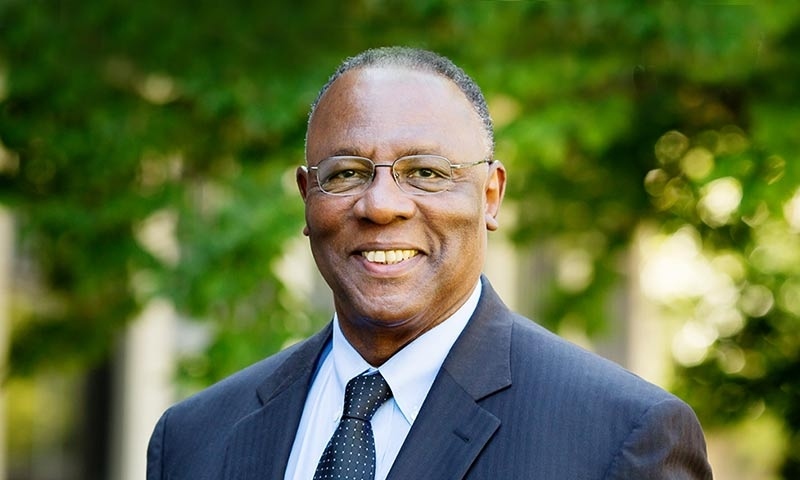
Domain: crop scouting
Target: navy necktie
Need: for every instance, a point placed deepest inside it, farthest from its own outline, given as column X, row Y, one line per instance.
column 350, row 453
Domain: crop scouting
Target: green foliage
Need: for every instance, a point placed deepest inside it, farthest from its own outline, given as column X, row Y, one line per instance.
column 188, row 117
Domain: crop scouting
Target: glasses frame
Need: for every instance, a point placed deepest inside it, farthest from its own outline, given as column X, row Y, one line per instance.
column 395, row 176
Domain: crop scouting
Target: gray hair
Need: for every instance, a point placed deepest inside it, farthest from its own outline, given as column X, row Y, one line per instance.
column 418, row 60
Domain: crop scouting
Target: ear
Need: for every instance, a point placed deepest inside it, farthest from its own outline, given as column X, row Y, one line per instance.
column 495, row 190
column 301, row 177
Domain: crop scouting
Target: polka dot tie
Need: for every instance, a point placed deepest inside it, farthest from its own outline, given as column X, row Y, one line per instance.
column 350, row 454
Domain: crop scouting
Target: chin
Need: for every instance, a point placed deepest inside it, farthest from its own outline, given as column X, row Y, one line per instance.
column 392, row 317
column 385, row 316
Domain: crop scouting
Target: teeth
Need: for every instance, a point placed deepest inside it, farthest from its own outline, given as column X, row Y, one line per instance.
column 388, row 256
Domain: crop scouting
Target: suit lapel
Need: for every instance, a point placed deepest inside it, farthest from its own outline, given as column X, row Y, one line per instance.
column 452, row 428
column 260, row 443
column 448, row 435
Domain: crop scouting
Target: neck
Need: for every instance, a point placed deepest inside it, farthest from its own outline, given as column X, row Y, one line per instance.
column 377, row 340
column 377, row 344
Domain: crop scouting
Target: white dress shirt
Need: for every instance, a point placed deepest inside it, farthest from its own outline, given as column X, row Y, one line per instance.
column 410, row 374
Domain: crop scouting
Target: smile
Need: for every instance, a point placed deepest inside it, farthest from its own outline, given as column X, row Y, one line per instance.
column 388, row 257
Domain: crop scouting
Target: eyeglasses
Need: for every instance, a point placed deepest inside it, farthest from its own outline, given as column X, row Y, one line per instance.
column 414, row 174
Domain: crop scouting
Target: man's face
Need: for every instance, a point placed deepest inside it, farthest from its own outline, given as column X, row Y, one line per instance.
column 440, row 239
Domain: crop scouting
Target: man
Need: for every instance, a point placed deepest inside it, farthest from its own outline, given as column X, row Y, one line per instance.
column 400, row 189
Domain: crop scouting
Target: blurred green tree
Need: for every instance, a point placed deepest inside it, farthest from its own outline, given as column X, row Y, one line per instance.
column 123, row 125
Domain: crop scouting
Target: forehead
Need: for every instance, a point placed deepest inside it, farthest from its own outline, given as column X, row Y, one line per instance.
column 378, row 111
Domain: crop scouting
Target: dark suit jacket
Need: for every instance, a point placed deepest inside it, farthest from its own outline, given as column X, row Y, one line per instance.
column 511, row 401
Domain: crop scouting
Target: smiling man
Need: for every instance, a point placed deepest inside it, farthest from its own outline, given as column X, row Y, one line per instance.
column 423, row 373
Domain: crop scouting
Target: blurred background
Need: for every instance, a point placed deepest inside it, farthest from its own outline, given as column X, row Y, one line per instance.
column 150, row 229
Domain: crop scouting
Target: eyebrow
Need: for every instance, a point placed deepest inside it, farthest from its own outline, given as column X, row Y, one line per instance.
column 346, row 152
column 355, row 152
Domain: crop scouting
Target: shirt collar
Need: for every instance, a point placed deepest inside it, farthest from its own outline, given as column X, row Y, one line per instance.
column 411, row 371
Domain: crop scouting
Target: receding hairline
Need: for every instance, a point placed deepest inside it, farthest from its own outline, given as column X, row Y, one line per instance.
column 418, row 60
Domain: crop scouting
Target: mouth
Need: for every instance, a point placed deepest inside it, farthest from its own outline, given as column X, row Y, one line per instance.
column 388, row 257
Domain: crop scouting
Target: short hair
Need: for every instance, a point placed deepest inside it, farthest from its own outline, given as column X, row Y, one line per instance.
column 417, row 60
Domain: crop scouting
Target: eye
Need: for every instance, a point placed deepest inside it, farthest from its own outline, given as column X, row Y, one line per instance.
column 423, row 167
column 343, row 174
column 426, row 173
column 347, row 174
column 422, row 173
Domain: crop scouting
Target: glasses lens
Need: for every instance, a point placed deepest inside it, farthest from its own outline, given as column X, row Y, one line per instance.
column 423, row 174
column 339, row 175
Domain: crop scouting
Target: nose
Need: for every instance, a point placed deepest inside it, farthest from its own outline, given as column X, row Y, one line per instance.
column 383, row 202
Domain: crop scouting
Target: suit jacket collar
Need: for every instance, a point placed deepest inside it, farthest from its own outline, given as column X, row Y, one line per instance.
column 301, row 365
column 480, row 360
column 260, row 443
column 447, row 436
column 452, row 427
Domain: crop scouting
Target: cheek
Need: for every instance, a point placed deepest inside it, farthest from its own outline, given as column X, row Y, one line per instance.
column 323, row 218
column 464, row 211
column 460, row 225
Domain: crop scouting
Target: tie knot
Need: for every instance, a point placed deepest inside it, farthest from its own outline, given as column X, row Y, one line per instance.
column 364, row 394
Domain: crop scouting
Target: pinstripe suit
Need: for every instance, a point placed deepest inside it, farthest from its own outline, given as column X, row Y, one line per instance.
column 512, row 401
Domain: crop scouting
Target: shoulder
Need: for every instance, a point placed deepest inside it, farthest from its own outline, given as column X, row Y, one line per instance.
column 537, row 351
column 537, row 361
column 565, row 412
column 193, row 431
column 236, row 390
column 240, row 391
column 635, row 429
